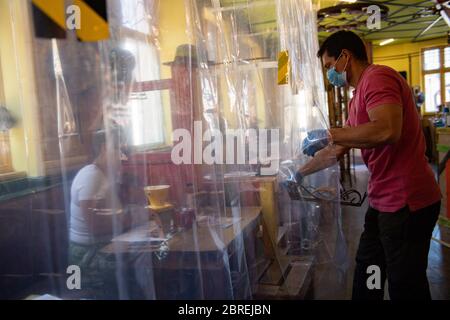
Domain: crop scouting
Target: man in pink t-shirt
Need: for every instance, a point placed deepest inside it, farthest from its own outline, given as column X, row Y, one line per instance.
column 404, row 196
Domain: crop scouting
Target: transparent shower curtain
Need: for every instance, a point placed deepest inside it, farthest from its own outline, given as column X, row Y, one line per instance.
column 164, row 155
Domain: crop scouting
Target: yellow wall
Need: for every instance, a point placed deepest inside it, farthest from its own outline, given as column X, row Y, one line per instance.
column 2, row 93
column 19, row 91
column 385, row 55
column 172, row 33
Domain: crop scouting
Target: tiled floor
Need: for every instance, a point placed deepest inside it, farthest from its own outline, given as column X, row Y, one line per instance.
column 439, row 257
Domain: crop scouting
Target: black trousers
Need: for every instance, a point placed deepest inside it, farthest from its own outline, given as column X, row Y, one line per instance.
column 398, row 243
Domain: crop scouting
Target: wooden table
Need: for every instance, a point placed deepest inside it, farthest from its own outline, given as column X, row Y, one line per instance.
column 199, row 238
column 201, row 262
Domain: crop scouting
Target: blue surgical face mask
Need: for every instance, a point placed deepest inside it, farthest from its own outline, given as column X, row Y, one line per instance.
column 337, row 79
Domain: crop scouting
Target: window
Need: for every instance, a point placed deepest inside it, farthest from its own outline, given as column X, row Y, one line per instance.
column 436, row 75
column 431, row 59
column 146, row 107
column 5, row 150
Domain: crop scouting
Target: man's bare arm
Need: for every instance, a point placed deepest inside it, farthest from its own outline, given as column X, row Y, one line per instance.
column 385, row 127
column 101, row 224
column 323, row 159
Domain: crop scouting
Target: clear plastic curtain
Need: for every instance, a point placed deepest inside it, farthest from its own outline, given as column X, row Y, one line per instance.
column 244, row 69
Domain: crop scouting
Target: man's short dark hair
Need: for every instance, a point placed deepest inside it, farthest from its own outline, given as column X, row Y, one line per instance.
column 340, row 40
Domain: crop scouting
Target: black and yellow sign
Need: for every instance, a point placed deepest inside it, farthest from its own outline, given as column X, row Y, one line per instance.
column 283, row 68
column 51, row 19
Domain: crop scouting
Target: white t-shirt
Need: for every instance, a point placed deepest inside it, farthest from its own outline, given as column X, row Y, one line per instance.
column 89, row 184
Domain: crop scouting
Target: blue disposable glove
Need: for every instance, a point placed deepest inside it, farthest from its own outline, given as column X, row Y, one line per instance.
column 315, row 141
column 298, row 178
column 291, row 179
column 288, row 172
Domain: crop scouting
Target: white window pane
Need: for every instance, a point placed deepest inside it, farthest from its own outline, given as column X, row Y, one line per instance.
column 146, row 118
column 447, row 57
column 431, row 59
column 432, row 92
column 135, row 15
column 447, row 87
column 147, row 121
column 147, row 60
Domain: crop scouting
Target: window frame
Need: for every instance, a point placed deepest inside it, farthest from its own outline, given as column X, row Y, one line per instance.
column 442, row 70
column 128, row 33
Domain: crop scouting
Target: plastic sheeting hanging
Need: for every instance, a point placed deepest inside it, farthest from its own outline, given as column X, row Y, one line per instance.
column 165, row 152
column 310, row 225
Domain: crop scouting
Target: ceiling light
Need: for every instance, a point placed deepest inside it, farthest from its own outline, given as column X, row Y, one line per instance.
column 384, row 42
column 348, row 1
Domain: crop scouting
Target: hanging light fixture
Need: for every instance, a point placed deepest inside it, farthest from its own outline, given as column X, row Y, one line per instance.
column 387, row 41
